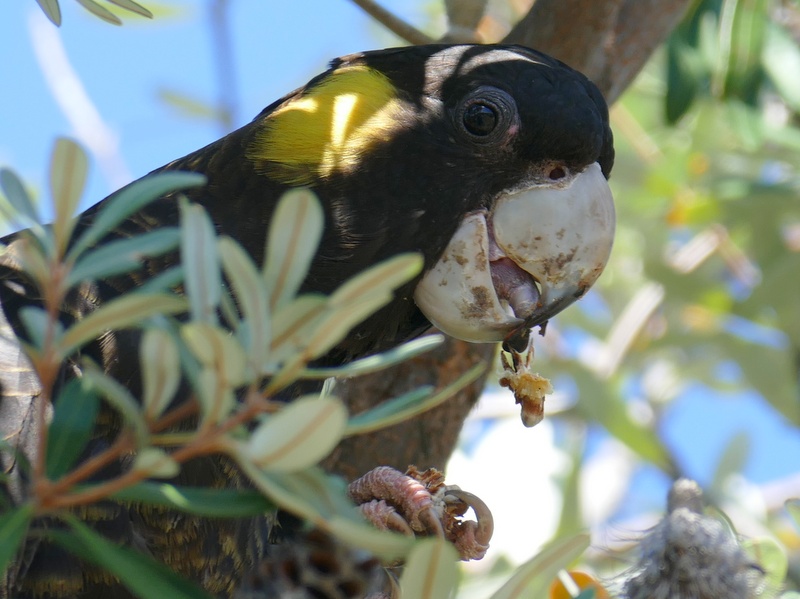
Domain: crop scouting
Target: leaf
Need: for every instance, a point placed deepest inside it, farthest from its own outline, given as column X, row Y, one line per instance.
column 200, row 263
column 533, row 577
column 298, row 436
column 215, row 395
column 156, row 463
column 251, row 295
column 36, row 323
column 380, row 279
column 294, row 235
column 409, row 405
column 211, row 503
column 53, row 12
column 781, row 60
column 430, row 570
column 71, row 427
column 133, row 7
column 189, row 106
column 119, row 398
column 131, row 199
column 68, row 169
column 161, row 371
column 164, row 281
column 123, row 312
column 380, row 361
column 13, row 526
column 140, row 574
column 123, row 255
column 292, row 324
column 19, row 199
column 100, row 12
column 771, row 557
column 216, row 349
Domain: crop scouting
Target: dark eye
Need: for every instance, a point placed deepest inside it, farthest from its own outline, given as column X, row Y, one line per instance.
column 486, row 115
column 480, row 119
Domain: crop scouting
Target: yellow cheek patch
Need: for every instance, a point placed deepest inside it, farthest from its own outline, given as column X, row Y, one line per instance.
column 328, row 128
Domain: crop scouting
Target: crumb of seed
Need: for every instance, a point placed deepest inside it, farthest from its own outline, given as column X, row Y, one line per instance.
column 529, row 388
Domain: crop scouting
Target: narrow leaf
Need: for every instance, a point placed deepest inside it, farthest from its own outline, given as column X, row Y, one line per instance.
column 292, row 324
column 13, row 526
column 534, row 576
column 161, row 372
column 298, row 436
column 126, row 311
column 53, row 12
column 101, row 12
column 377, row 362
column 200, row 263
column 133, row 7
column 294, row 235
column 123, row 255
column 68, row 169
column 140, row 574
column 251, row 296
column 131, row 199
column 211, row 503
column 409, row 405
column 119, row 398
column 163, row 281
column 156, row 463
column 215, row 395
column 71, row 427
column 36, row 323
column 216, row 349
column 16, row 195
column 430, row 570
column 382, row 278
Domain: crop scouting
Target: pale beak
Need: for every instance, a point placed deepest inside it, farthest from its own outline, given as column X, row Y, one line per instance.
column 534, row 254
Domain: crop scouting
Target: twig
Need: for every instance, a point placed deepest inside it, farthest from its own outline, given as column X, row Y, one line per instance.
column 226, row 66
column 394, row 23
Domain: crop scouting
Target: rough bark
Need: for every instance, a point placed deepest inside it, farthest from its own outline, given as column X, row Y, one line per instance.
column 608, row 40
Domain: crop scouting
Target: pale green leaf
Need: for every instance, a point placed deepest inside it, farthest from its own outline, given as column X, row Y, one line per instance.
column 123, row 255
column 216, row 349
column 189, row 106
column 68, row 169
column 251, row 296
column 389, row 546
column 294, row 234
column 430, row 570
column 53, row 12
column 37, row 323
column 156, row 463
column 200, row 263
column 161, row 373
column 298, row 436
column 409, row 405
column 533, row 577
column 215, row 395
column 292, row 324
column 18, row 198
column 781, row 61
column 125, row 311
column 771, row 557
column 100, row 11
column 133, row 7
column 130, row 199
column 382, row 278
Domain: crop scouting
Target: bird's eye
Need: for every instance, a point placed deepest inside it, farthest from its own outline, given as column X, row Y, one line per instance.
column 480, row 118
column 486, row 115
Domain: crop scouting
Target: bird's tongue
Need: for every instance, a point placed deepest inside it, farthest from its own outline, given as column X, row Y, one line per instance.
column 512, row 284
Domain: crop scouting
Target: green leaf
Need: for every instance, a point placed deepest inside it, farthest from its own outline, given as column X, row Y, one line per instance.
column 294, row 235
column 161, row 371
column 126, row 311
column 684, row 78
column 299, row 435
column 164, row 281
column 71, row 427
column 18, row 198
column 68, row 168
column 53, row 12
column 409, row 405
column 123, row 255
column 781, row 61
column 131, row 199
column 13, row 526
column 100, row 11
column 133, row 7
column 119, row 398
column 251, row 296
column 772, row 558
column 211, row 503
column 36, row 323
column 140, row 574
column 534, row 577
column 381, row 361
column 200, row 263
column 430, row 570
